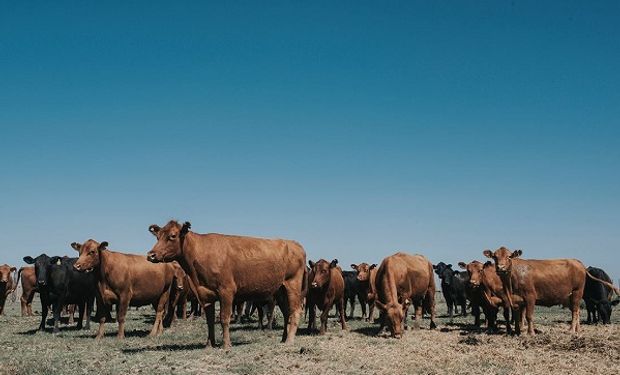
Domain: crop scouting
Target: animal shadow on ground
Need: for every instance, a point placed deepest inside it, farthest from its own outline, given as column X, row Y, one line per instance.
column 50, row 330
column 367, row 331
column 176, row 347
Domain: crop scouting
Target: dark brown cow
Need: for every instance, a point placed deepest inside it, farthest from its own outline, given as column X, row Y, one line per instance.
column 366, row 276
column 539, row 282
column 326, row 289
column 403, row 279
column 486, row 289
column 126, row 280
column 28, row 278
column 228, row 268
column 7, row 285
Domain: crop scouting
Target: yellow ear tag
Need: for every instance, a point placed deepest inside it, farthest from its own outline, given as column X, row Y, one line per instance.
column 58, row 262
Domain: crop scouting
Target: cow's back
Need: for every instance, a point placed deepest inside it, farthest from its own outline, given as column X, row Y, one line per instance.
column 553, row 281
column 409, row 275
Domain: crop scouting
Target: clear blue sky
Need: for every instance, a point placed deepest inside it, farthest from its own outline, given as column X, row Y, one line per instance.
column 358, row 129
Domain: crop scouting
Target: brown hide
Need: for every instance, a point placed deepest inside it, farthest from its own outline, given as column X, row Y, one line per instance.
column 126, row 280
column 7, row 285
column 531, row 282
column 28, row 279
column 325, row 293
column 403, row 279
column 366, row 277
column 228, row 268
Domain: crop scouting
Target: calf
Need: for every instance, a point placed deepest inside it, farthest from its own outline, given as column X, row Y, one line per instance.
column 126, row 280
column 598, row 297
column 326, row 289
column 403, row 279
column 7, row 284
column 452, row 288
column 59, row 284
column 366, row 277
column 352, row 291
column 27, row 277
column 540, row 282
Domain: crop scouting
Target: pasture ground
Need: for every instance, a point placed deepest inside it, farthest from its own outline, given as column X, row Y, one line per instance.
column 454, row 348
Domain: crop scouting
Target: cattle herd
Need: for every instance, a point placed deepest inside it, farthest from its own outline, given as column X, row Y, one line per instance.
column 202, row 269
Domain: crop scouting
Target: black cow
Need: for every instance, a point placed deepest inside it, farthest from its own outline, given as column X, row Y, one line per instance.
column 59, row 285
column 351, row 290
column 452, row 287
column 598, row 297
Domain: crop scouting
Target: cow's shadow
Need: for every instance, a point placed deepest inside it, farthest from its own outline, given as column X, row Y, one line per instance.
column 50, row 330
column 177, row 347
column 367, row 331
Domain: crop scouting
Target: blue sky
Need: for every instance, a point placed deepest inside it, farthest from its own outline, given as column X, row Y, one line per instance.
column 358, row 128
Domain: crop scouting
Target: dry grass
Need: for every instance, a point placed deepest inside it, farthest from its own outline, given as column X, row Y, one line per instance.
column 453, row 348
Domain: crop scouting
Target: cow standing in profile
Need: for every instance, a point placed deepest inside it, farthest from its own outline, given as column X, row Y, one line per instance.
column 403, row 279
column 126, row 280
column 28, row 279
column 226, row 268
column 59, row 285
column 326, row 289
column 7, row 284
column 540, row 282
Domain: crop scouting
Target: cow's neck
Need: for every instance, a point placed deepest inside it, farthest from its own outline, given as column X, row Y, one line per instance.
column 100, row 273
column 187, row 255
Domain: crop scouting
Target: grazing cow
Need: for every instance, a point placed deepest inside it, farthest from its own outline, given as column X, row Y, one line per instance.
column 126, row 280
column 365, row 277
column 485, row 289
column 351, row 291
column 540, row 282
column 326, row 289
column 403, row 279
column 225, row 268
column 7, row 284
column 59, row 285
column 27, row 277
column 598, row 297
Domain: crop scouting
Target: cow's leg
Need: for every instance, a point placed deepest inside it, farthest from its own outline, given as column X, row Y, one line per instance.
column 81, row 307
column 71, row 313
column 160, row 308
column 121, row 312
column 293, row 294
column 311, row 315
column 226, row 307
column 371, row 311
column 270, row 315
column 575, row 309
column 475, row 310
column 24, row 304
column 362, row 304
column 352, row 302
column 44, row 309
column 340, row 305
column 210, row 315
column 89, row 311
column 56, row 309
column 323, row 319
column 261, row 315
column 418, row 310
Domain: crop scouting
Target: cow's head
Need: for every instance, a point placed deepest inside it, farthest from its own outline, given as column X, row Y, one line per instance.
column 169, row 241
column 604, row 308
column 5, row 273
column 445, row 273
column 394, row 312
column 42, row 266
column 363, row 270
column 90, row 255
column 320, row 273
column 474, row 270
column 503, row 259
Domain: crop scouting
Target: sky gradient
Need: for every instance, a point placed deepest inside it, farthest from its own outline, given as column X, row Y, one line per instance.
column 358, row 129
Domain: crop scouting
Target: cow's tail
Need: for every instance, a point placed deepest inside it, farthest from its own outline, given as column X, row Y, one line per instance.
column 16, row 279
column 606, row 283
column 304, row 283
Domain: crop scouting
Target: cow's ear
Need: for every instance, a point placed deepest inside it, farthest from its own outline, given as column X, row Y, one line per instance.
column 455, row 273
column 13, row 269
column 29, row 260
column 449, row 265
column 76, row 246
column 311, row 264
column 334, row 263
column 185, row 228
column 516, row 254
column 103, row 246
column 56, row 260
column 488, row 263
column 615, row 302
column 354, row 266
column 154, row 229
column 488, row 253
column 434, row 266
column 463, row 265
column 372, row 266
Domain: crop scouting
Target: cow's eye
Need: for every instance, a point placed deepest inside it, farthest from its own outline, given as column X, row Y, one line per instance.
column 91, row 252
column 172, row 237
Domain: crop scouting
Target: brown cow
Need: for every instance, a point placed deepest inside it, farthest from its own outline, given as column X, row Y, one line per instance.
column 539, row 282
column 7, row 285
column 403, row 279
column 366, row 276
column 326, row 288
column 126, row 280
column 226, row 268
column 28, row 278
column 485, row 289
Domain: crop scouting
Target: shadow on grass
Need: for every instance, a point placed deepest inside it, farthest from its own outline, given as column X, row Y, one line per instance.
column 367, row 331
column 177, row 347
column 50, row 330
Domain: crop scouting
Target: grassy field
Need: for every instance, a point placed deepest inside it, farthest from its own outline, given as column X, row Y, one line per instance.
column 453, row 348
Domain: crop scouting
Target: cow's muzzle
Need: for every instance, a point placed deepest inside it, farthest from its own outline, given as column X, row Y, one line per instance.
column 151, row 257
